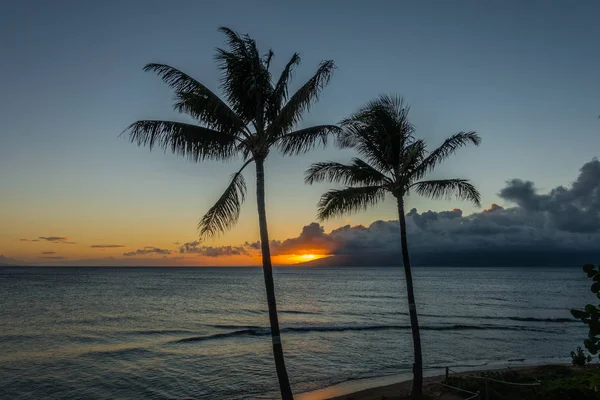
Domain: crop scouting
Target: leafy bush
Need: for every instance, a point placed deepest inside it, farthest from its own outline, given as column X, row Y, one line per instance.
column 579, row 358
column 590, row 315
column 557, row 382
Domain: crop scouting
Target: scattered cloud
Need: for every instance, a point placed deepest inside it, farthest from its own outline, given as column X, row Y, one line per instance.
column 56, row 239
column 48, row 252
column 54, row 257
column 147, row 250
column 210, row 251
column 107, row 246
column 29, row 240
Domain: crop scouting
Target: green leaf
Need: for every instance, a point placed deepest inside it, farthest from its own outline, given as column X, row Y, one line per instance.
column 338, row 202
column 448, row 188
column 595, row 287
column 226, row 211
column 590, row 309
column 579, row 314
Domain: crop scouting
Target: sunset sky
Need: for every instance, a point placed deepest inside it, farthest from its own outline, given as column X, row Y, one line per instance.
column 524, row 75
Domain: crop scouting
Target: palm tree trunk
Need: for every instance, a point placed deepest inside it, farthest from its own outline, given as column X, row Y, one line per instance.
column 282, row 375
column 417, row 387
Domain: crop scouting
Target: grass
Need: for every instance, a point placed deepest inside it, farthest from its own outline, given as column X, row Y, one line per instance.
column 557, row 382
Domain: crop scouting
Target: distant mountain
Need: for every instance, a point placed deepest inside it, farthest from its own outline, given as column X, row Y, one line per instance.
column 478, row 258
column 10, row 262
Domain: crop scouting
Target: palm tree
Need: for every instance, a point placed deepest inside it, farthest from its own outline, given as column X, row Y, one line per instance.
column 394, row 162
column 256, row 116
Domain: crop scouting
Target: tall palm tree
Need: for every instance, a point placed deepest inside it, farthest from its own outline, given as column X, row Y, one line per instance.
column 256, row 115
column 395, row 162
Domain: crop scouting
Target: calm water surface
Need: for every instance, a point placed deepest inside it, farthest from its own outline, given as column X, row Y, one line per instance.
column 176, row 333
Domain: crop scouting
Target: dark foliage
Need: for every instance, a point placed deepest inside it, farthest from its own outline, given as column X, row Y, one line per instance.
column 590, row 315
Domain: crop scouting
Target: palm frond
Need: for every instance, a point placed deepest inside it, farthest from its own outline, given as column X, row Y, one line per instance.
column 234, row 41
column 176, row 79
column 448, row 188
column 267, row 58
column 210, row 111
column 245, row 79
column 301, row 101
column 379, row 131
column 225, row 213
column 359, row 136
column 194, row 142
column 280, row 91
column 349, row 200
column 197, row 100
column 357, row 173
column 449, row 147
column 303, row 140
column 411, row 157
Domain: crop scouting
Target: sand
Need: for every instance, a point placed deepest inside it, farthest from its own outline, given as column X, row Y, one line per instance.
column 401, row 390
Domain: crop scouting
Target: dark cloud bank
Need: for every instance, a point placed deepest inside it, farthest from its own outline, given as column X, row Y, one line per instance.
column 561, row 227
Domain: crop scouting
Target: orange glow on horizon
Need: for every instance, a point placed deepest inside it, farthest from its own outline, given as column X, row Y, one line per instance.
column 300, row 258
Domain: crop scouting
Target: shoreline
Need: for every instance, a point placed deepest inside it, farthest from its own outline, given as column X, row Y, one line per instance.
column 378, row 387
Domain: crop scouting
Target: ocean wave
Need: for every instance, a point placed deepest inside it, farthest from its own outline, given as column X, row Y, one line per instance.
column 488, row 317
column 474, row 317
column 216, row 336
column 149, row 332
column 532, row 319
column 119, row 352
column 299, row 312
column 255, row 331
column 225, row 326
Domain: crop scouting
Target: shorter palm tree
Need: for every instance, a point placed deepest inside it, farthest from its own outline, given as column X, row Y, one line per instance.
column 394, row 162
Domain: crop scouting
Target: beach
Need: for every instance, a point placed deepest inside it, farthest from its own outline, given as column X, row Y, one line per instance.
column 400, row 390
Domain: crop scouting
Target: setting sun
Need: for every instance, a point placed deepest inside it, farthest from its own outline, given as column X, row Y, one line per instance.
column 300, row 258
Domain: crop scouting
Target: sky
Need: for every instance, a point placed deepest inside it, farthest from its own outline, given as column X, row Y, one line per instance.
column 524, row 75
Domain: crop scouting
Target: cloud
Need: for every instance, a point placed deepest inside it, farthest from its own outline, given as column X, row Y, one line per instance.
column 147, row 250
column 107, row 246
column 562, row 226
column 210, row 251
column 29, row 240
column 54, row 257
column 574, row 209
column 56, row 239
column 48, row 252
column 312, row 239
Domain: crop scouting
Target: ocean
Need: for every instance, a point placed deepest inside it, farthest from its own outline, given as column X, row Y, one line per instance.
column 202, row 333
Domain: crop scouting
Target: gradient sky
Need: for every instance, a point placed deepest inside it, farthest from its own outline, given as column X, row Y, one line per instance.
column 522, row 74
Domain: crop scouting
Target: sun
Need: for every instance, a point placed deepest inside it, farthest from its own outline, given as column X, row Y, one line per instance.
column 301, row 258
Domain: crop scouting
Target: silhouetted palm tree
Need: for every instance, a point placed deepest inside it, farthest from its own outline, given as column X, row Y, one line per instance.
column 256, row 116
column 394, row 162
